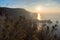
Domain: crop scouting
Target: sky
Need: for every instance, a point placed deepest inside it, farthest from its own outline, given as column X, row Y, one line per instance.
column 46, row 6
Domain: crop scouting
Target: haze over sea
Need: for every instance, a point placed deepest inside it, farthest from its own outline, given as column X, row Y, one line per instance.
column 53, row 17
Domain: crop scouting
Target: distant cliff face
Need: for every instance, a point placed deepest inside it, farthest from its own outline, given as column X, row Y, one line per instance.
column 16, row 12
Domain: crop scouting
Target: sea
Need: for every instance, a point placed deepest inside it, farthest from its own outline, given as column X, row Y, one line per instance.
column 53, row 17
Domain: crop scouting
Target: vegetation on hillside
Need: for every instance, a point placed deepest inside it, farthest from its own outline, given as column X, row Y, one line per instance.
column 24, row 29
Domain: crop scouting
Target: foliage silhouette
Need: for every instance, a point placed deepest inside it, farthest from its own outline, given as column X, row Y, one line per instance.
column 23, row 29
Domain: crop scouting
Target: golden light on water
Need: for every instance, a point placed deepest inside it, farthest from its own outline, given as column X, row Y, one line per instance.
column 38, row 16
column 38, row 9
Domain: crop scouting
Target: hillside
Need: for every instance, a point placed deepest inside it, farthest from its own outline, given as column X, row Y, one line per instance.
column 16, row 12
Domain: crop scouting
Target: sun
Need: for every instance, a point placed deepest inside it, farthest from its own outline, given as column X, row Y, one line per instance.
column 38, row 9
